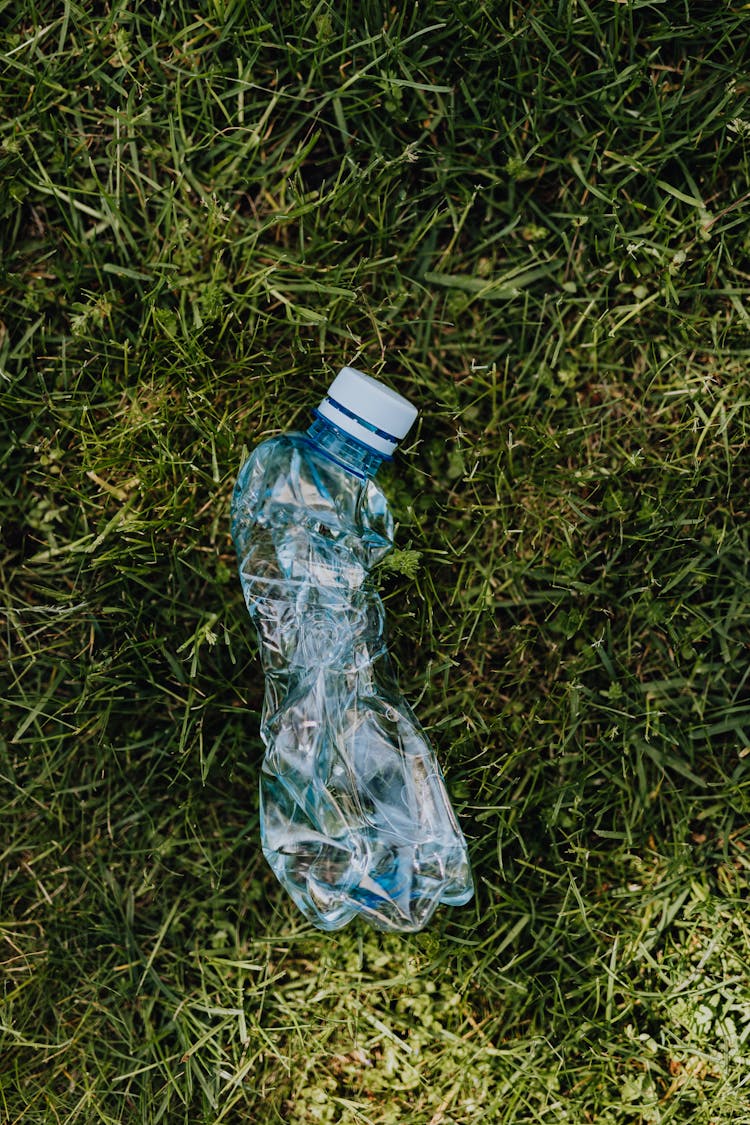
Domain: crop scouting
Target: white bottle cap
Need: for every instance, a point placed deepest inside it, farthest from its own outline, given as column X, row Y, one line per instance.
column 368, row 410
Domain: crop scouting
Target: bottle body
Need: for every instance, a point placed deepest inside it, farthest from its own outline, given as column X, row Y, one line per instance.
column 355, row 818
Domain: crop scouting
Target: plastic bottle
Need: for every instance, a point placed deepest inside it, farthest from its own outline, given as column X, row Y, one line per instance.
column 354, row 814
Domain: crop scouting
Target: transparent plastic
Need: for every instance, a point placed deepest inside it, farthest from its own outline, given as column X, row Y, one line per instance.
column 355, row 818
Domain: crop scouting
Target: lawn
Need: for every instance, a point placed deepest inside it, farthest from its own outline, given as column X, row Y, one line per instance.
column 532, row 219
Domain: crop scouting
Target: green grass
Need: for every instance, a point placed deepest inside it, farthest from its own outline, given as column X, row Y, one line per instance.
column 532, row 219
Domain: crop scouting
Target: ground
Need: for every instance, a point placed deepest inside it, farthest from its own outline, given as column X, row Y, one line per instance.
column 531, row 219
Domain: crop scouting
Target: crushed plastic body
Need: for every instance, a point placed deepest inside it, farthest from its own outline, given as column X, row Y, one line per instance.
column 355, row 818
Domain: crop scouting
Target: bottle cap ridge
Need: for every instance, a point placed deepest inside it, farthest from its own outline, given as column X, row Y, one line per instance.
column 368, row 410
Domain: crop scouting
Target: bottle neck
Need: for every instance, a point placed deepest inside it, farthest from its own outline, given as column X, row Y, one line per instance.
column 344, row 449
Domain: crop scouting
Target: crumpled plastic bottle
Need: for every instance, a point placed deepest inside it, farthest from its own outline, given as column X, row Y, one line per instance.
column 354, row 814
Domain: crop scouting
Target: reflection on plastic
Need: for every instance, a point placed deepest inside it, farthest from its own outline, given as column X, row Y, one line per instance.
column 355, row 818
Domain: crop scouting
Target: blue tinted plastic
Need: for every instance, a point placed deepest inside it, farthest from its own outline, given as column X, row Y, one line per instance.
column 355, row 818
